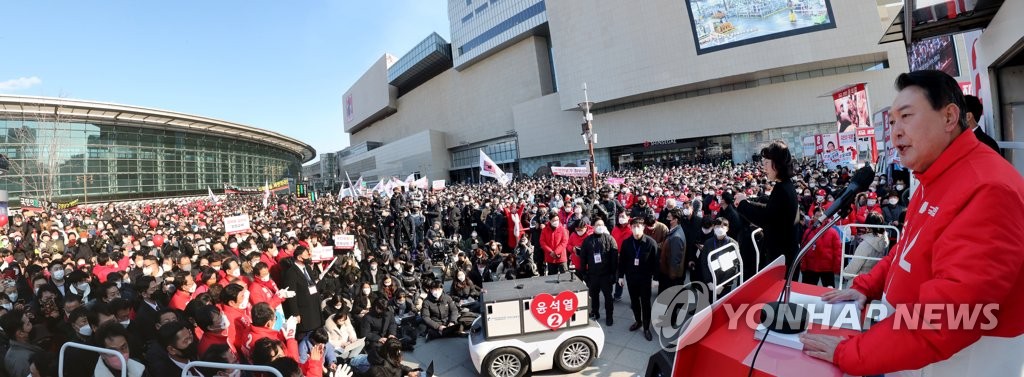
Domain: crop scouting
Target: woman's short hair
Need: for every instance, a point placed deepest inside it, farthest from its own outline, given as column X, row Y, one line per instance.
column 778, row 153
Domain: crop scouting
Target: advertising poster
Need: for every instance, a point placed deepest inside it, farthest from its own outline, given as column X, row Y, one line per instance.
column 721, row 24
column 851, row 108
column 838, row 149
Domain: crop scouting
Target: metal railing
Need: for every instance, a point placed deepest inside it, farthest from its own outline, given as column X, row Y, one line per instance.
column 245, row 367
column 60, row 361
column 757, row 249
column 713, row 258
column 842, row 266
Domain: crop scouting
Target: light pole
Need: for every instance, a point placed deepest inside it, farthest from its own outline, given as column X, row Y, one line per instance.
column 589, row 137
column 84, row 180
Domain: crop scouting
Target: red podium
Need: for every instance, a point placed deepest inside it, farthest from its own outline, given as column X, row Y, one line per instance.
column 725, row 351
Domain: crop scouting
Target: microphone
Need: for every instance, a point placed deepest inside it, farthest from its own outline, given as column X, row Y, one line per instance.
column 783, row 316
column 858, row 184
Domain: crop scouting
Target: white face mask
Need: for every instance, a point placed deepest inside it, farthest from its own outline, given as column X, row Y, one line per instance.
column 85, row 330
column 719, row 232
column 265, row 278
column 871, row 202
column 894, row 201
column 8, row 306
column 236, row 272
column 687, row 212
column 366, row 291
column 192, row 288
column 224, row 322
column 462, row 278
column 126, row 322
column 245, row 300
column 147, row 271
column 623, row 221
column 601, row 229
column 58, row 275
column 387, row 283
column 638, row 232
column 436, row 294
column 820, row 199
column 581, row 232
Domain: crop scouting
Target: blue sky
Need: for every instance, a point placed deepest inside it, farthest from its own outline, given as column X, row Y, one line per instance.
column 277, row 65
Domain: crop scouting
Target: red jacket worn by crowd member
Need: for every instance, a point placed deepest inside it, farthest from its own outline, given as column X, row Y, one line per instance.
column 180, row 300
column 575, row 241
column 241, row 324
column 621, row 233
column 210, row 339
column 291, row 348
column 514, row 218
column 553, row 242
column 962, row 246
column 824, row 256
column 265, row 291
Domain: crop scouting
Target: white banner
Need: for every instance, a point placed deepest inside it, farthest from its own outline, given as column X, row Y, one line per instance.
column 422, row 183
column 581, row 171
column 236, row 224
column 437, row 185
column 321, row 253
column 344, row 241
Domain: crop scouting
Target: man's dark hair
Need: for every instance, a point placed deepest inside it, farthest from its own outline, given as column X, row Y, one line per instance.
column 230, row 293
column 636, row 220
column 207, row 316
column 722, row 221
column 109, row 330
column 142, row 284
column 262, row 314
column 319, row 336
column 286, row 366
column 974, row 106
column 778, row 153
column 168, row 334
column 263, row 350
column 12, row 322
column 83, row 312
column 45, row 362
column 939, row 88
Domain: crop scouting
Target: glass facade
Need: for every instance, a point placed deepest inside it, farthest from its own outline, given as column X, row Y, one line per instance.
column 61, row 159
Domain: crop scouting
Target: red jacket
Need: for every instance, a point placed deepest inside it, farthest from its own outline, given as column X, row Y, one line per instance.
column 961, row 245
column 627, row 200
column 515, row 227
column 210, row 339
column 575, row 240
column 554, row 241
column 260, row 291
column 826, row 253
column 291, row 347
column 101, row 272
column 658, row 203
column 241, row 325
column 621, row 233
column 180, row 300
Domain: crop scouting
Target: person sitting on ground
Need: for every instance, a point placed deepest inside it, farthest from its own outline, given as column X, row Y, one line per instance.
column 440, row 313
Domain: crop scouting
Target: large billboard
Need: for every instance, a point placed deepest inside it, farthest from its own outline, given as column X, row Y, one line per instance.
column 851, row 108
column 721, row 24
column 937, row 53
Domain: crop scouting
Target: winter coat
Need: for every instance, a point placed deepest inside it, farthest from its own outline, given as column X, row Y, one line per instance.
column 553, row 242
column 871, row 245
column 826, row 253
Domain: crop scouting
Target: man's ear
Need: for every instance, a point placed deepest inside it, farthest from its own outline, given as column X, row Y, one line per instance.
column 952, row 115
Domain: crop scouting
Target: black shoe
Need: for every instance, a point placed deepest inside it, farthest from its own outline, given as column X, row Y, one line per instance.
column 634, row 326
column 609, row 320
column 429, row 338
column 647, row 335
column 595, row 317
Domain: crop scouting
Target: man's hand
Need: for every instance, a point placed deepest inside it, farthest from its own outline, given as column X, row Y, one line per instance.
column 622, row 282
column 317, row 352
column 383, row 340
column 820, row 346
column 845, row 295
column 739, row 197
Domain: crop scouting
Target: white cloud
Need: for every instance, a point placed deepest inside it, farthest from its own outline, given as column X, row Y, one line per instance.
column 20, row 83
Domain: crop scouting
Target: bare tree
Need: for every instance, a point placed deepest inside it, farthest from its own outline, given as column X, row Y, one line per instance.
column 36, row 152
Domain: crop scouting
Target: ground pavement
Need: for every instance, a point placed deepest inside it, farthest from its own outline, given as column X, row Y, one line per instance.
column 625, row 353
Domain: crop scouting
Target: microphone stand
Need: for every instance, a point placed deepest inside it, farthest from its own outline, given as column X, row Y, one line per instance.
column 786, row 317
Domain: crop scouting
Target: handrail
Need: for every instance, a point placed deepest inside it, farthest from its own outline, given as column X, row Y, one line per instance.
column 714, row 278
column 757, row 250
column 60, row 361
column 842, row 265
column 246, row 367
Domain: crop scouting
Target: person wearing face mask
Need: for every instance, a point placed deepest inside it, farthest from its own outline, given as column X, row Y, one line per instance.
column 374, row 275
column 215, row 326
column 598, row 265
column 234, row 303
column 300, row 279
column 638, row 262
column 186, row 287
column 823, row 260
column 465, row 292
column 439, row 313
column 672, row 256
column 573, row 247
column 719, row 238
column 779, row 216
column 820, row 202
column 553, row 241
column 113, row 336
column 176, row 346
column 481, row 272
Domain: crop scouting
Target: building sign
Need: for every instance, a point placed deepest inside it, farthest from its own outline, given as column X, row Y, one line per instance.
column 648, row 143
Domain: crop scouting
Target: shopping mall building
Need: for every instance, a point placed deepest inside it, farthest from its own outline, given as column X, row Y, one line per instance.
column 67, row 150
column 669, row 79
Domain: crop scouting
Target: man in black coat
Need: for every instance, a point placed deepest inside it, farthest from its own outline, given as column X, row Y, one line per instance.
column 599, row 263
column 300, row 278
column 146, row 311
column 638, row 261
column 440, row 313
column 379, row 325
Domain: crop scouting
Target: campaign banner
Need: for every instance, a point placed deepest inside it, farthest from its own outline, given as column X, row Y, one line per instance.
column 422, row 183
column 616, row 181
column 437, row 185
column 3, row 209
column 344, row 241
column 851, row 108
column 580, row 171
column 236, row 224
column 837, row 149
column 321, row 253
column 808, row 146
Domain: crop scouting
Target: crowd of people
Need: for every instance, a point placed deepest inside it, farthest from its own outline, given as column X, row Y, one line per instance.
column 164, row 285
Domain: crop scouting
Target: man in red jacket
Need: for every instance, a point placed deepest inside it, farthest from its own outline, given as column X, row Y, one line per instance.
column 553, row 240
column 960, row 253
column 822, row 262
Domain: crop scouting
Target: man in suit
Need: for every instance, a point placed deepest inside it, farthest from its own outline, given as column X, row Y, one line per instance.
column 974, row 111
column 598, row 262
column 638, row 261
column 146, row 311
column 673, row 252
column 299, row 278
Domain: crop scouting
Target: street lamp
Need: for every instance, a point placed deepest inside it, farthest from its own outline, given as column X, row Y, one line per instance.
column 589, row 137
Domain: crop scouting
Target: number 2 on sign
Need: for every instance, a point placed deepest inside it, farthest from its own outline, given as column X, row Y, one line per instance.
column 555, row 321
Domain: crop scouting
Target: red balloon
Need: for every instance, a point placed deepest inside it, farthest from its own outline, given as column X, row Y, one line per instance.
column 158, row 240
column 153, row 223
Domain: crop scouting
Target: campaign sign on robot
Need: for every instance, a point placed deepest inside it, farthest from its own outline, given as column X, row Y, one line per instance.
column 554, row 311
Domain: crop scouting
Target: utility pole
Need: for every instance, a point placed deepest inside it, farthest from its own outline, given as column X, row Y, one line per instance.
column 589, row 137
column 84, row 180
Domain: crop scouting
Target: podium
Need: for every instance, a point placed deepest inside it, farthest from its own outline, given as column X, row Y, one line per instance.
column 713, row 346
